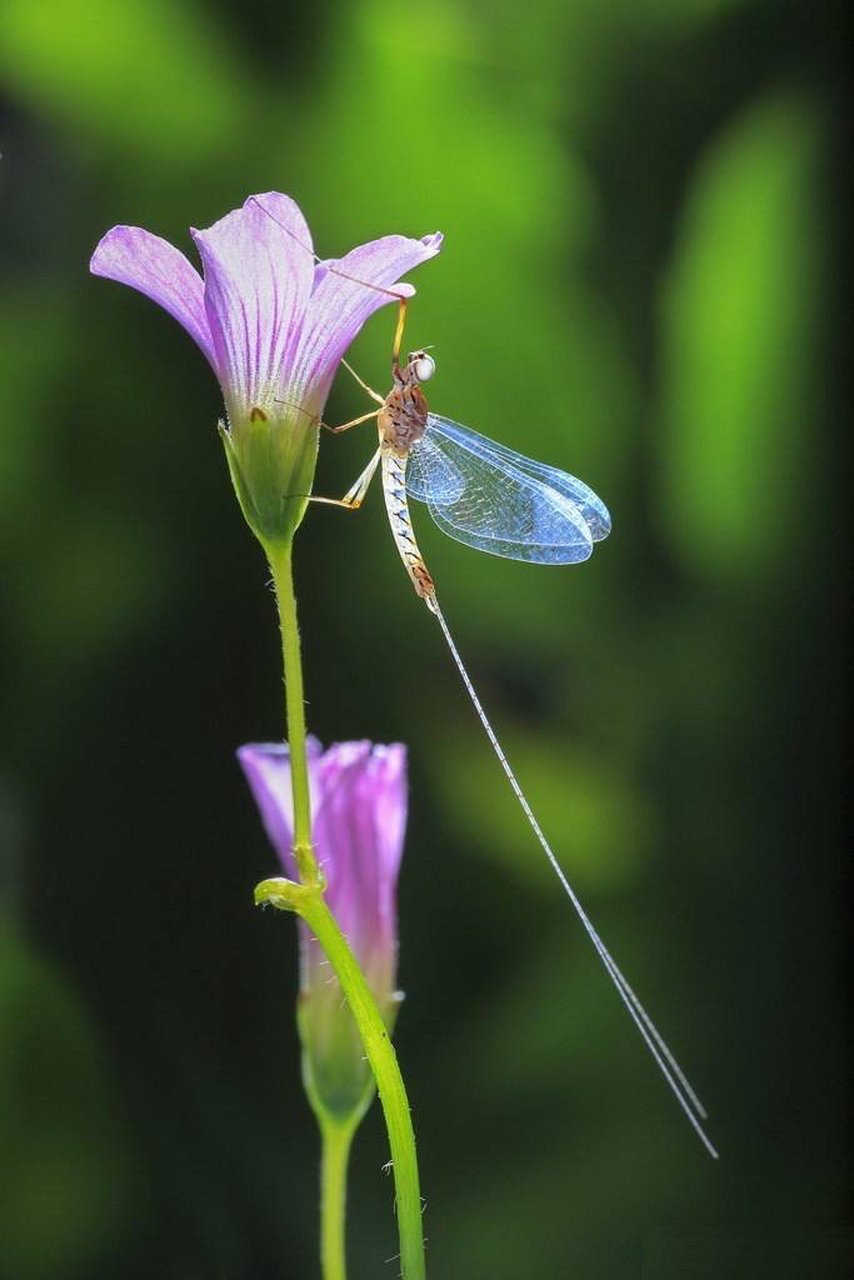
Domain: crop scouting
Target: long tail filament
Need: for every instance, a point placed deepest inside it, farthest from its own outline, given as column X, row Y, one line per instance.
column 667, row 1064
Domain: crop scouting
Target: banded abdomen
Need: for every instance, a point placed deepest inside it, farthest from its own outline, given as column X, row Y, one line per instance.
column 397, row 506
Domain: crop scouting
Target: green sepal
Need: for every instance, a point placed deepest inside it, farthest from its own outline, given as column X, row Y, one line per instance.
column 271, row 462
column 336, row 1077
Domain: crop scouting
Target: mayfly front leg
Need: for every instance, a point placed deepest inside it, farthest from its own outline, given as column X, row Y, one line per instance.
column 398, row 334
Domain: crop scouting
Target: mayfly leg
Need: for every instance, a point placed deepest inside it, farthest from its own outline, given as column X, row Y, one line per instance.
column 355, row 495
column 354, row 422
column 400, row 298
column 379, row 288
column 398, row 334
column 375, row 395
column 403, row 303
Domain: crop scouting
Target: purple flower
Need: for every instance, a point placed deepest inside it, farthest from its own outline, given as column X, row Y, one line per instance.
column 274, row 325
column 359, row 800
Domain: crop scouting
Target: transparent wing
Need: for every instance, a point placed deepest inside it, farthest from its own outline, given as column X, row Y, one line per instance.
column 431, row 475
column 499, row 501
column 593, row 510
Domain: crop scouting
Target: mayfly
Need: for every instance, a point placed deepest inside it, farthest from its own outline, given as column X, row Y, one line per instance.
column 494, row 499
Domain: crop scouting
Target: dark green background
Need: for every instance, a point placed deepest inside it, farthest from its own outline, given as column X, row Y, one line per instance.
column 641, row 209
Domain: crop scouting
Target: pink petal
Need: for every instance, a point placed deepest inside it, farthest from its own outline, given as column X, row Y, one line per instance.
column 258, row 275
column 359, row 799
column 340, row 306
column 389, row 776
column 160, row 271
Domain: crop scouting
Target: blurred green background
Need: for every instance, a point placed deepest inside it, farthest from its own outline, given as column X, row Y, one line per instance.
column 640, row 207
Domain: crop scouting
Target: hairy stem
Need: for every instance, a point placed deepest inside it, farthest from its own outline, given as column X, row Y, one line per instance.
column 281, row 564
column 382, row 1058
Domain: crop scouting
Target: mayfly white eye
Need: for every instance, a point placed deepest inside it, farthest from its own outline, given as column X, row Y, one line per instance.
column 423, row 366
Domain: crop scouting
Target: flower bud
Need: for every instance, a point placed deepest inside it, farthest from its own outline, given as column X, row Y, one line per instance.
column 359, row 799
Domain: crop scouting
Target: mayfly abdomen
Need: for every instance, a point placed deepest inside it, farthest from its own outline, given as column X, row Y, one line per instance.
column 397, row 506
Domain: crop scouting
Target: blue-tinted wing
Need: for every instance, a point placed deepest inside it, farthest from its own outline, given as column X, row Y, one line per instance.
column 431, row 476
column 593, row 510
column 499, row 501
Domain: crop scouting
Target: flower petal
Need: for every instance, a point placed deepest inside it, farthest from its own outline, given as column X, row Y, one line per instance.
column 386, row 778
column 267, row 766
column 358, row 822
column 258, row 277
column 358, row 831
column 342, row 831
column 389, row 780
column 340, row 305
column 156, row 268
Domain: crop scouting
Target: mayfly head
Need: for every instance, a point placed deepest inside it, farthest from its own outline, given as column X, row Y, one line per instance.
column 421, row 366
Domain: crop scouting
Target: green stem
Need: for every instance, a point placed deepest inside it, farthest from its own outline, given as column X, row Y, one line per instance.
column 380, row 1053
column 307, row 899
column 281, row 564
column 336, row 1136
